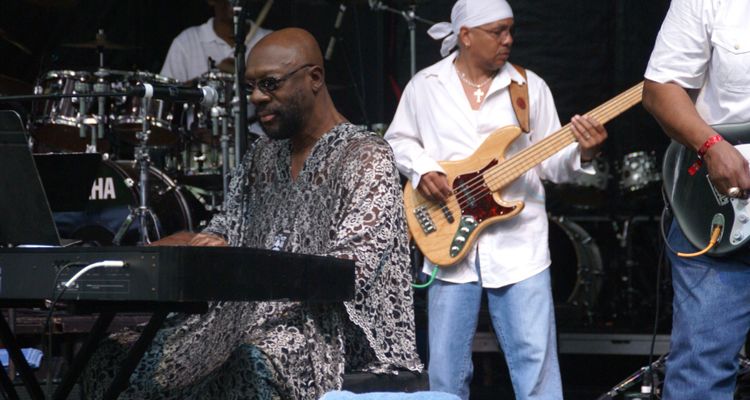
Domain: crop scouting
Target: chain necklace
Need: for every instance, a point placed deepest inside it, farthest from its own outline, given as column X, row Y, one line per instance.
column 478, row 93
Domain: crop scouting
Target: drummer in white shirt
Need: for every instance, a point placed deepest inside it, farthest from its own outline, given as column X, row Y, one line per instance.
column 189, row 54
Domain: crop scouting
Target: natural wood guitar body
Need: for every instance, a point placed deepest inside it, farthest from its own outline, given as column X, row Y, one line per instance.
column 445, row 232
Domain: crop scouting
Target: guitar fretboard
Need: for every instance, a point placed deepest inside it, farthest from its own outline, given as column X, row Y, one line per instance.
column 509, row 170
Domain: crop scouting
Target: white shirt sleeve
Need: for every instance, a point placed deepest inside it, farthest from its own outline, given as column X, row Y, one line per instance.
column 175, row 65
column 404, row 137
column 563, row 165
column 682, row 51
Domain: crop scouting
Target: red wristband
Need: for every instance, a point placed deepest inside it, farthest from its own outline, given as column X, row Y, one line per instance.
column 702, row 152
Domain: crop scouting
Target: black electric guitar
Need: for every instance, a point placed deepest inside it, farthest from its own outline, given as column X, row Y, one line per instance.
column 697, row 205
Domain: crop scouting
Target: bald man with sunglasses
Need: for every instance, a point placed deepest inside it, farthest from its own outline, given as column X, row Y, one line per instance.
column 315, row 185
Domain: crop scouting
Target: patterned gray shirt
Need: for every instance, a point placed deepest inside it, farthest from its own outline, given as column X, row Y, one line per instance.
column 346, row 202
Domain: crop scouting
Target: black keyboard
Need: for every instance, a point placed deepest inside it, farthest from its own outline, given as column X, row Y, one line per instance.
column 174, row 275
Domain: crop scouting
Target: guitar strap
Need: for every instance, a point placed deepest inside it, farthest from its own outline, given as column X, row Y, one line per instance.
column 519, row 97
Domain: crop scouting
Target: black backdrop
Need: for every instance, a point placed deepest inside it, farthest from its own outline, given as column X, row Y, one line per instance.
column 587, row 50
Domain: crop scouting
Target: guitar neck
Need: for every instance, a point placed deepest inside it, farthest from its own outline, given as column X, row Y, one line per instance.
column 509, row 170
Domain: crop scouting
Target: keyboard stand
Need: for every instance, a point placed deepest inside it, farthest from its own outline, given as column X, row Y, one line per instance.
column 95, row 336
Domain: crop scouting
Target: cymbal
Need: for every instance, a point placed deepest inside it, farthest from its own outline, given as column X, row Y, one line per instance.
column 4, row 36
column 100, row 43
column 11, row 86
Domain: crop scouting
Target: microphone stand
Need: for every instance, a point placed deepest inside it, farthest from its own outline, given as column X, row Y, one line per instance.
column 648, row 372
column 411, row 18
column 240, row 126
column 143, row 160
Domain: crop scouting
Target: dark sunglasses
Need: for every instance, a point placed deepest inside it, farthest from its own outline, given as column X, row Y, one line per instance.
column 270, row 84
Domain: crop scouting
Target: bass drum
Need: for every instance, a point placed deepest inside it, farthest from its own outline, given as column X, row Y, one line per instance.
column 115, row 192
column 576, row 271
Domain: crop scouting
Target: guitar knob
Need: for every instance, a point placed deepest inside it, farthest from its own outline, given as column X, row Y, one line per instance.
column 460, row 239
column 737, row 236
column 742, row 217
column 464, row 229
column 455, row 249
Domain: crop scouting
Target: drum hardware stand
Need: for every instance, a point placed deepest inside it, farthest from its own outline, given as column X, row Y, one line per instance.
column 143, row 160
column 637, row 376
column 624, row 240
column 90, row 148
column 624, row 235
column 411, row 18
column 80, row 88
column 240, row 112
column 100, row 87
column 225, row 158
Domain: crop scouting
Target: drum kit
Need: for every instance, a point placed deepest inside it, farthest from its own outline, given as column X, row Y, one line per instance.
column 596, row 234
column 165, row 161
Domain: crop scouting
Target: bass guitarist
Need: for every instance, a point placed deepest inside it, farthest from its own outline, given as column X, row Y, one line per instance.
column 698, row 76
column 447, row 110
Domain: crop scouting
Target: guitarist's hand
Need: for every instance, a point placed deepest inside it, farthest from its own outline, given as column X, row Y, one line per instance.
column 727, row 167
column 590, row 135
column 434, row 186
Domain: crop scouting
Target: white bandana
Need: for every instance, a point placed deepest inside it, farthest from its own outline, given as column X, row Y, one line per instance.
column 468, row 13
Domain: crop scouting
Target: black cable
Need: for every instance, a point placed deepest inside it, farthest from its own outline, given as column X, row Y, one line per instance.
column 47, row 327
column 648, row 378
column 664, row 214
column 662, row 258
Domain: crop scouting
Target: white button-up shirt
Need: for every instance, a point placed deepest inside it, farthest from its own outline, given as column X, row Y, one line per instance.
column 705, row 45
column 434, row 122
column 188, row 55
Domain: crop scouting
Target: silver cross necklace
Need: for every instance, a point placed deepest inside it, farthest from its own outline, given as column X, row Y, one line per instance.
column 478, row 93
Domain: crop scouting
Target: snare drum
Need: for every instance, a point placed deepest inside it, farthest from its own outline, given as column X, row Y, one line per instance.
column 115, row 191
column 56, row 122
column 163, row 114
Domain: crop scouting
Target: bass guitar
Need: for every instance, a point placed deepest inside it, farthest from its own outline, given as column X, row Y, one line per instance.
column 446, row 231
column 697, row 205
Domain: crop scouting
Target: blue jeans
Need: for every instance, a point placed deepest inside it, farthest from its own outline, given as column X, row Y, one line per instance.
column 710, row 321
column 523, row 318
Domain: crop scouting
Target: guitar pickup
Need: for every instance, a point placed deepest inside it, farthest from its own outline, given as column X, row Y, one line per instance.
column 447, row 212
column 424, row 219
